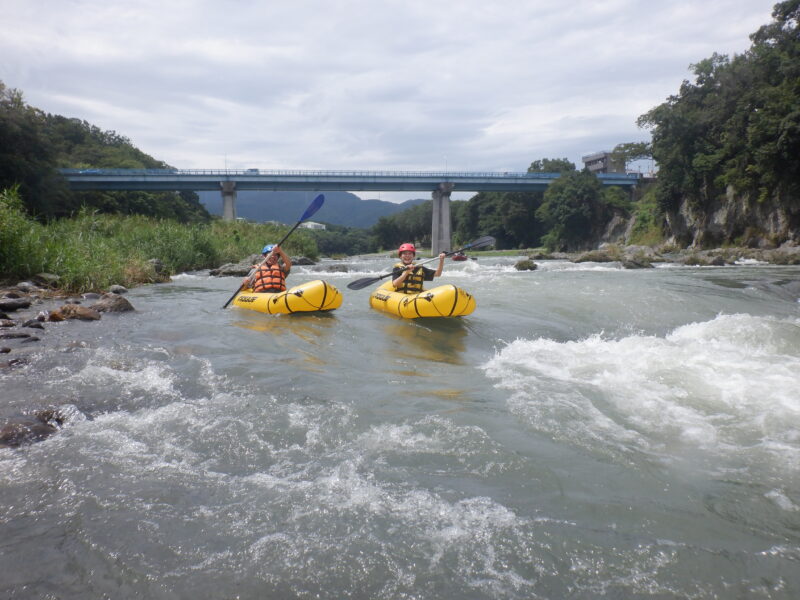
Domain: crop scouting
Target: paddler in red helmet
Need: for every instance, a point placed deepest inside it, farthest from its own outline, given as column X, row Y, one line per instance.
column 408, row 277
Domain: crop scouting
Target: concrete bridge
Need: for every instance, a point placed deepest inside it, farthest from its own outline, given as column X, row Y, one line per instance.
column 439, row 183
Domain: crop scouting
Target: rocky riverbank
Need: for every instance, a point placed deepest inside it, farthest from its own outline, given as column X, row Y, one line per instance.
column 644, row 257
column 27, row 310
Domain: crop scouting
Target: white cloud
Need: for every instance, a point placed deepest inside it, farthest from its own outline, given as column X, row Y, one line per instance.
column 350, row 84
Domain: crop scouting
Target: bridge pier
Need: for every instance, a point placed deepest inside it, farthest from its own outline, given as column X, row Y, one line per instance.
column 440, row 231
column 228, row 200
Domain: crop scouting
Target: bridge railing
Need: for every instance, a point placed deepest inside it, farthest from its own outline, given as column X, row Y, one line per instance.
column 325, row 173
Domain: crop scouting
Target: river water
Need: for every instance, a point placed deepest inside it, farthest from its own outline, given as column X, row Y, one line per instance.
column 587, row 432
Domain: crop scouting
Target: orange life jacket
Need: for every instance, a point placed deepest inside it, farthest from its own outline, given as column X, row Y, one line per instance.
column 269, row 279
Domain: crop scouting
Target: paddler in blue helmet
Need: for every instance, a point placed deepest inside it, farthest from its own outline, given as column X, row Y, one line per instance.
column 270, row 275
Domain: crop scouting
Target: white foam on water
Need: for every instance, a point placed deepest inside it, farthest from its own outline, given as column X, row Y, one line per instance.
column 726, row 386
column 110, row 370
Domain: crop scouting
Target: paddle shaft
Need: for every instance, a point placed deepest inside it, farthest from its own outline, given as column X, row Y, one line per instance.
column 312, row 208
column 479, row 243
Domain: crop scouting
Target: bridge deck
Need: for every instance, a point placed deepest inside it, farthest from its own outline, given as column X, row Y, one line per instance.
column 351, row 181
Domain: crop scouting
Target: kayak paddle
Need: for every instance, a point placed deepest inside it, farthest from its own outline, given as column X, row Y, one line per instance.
column 312, row 208
column 479, row 243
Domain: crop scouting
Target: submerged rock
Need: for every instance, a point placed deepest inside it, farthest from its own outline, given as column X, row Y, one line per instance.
column 112, row 302
column 74, row 311
column 27, row 429
column 526, row 265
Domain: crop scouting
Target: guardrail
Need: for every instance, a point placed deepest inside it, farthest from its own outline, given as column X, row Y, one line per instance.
column 325, row 173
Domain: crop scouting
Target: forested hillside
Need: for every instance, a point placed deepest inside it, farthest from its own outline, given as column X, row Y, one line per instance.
column 340, row 208
column 33, row 144
column 728, row 150
column 728, row 143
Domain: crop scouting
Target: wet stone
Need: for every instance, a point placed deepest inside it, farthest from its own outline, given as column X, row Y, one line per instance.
column 14, row 303
column 14, row 336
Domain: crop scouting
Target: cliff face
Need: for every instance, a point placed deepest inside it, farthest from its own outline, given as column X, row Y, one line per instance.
column 732, row 220
column 738, row 220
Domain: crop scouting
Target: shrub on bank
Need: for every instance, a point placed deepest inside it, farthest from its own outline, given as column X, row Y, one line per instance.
column 94, row 251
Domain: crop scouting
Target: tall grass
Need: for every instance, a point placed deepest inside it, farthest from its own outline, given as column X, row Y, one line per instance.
column 92, row 251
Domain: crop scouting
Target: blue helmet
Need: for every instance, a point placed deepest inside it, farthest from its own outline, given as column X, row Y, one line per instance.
column 268, row 248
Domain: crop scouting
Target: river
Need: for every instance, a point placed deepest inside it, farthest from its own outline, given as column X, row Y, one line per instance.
column 588, row 432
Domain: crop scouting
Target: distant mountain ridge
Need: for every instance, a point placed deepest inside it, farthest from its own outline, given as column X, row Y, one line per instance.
column 340, row 208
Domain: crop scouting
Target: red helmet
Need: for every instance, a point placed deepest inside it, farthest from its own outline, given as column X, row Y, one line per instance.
column 406, row 248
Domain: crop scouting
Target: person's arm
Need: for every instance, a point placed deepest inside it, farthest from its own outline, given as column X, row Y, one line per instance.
column 287, row 262
column 441, row 265
column 249, row 280
column 400, row 274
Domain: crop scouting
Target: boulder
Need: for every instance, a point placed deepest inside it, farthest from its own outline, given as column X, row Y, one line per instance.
column 636, row 262
column 601, row 256
column 232, row 270
column 28, row 287
column 14, row 303
column 7, row 323
column 74, row 311
column 46, row 279
column 118, row 289
column 158, row 266
column 332, row 268
column 27, row 429
column 302, row 261
column 526, row 265
column 112, row 303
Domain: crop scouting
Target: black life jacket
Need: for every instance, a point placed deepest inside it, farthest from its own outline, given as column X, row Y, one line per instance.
column 413, row 282
column 269, row 279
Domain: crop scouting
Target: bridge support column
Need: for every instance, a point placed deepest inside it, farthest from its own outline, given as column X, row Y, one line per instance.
column 228, row 200
column 440, row 230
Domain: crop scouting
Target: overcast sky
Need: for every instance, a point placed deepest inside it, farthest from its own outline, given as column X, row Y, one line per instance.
column 473, row 85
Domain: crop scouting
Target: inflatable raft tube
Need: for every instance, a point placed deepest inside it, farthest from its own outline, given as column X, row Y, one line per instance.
column 312, row 296
column 441, row 301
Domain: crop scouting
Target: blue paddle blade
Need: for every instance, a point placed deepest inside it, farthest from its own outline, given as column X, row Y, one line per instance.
column 313, row 207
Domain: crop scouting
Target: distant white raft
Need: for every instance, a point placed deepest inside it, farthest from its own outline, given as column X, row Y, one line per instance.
column 313, row 296
column 441, row 301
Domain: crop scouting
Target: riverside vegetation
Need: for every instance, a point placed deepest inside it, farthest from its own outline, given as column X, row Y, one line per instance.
column 726, row 145
column 93, row 251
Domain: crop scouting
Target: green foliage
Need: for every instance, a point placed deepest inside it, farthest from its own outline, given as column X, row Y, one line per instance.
column 33, row 145
column 20, row 250
column 93, row 251
column 647, row 229
column 413, row 224
column 551, row 165
column 571, row 205
column 624, row 154
column 338, row 240
column 616, row 198
column 737, row 124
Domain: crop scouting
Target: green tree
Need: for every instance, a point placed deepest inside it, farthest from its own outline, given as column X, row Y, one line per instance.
column 737, row 124
column 628, row 152
column 571, row 206
column 551, row 165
